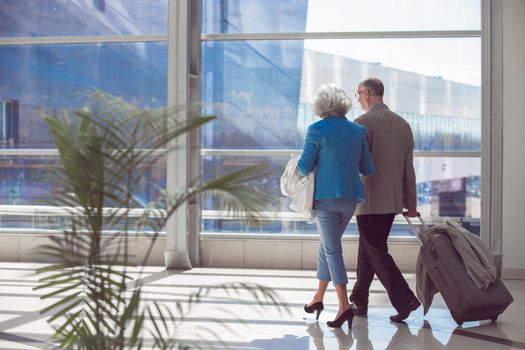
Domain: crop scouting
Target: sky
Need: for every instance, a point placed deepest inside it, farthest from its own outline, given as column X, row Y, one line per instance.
column 455, row 59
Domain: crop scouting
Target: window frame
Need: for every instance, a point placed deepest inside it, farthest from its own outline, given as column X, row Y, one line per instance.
column 190, row 13
column 206, row 37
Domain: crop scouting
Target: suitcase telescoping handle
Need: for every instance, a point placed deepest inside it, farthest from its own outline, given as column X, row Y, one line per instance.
column 423, row 224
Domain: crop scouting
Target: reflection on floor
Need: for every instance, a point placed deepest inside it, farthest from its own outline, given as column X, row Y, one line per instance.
column 231, row 321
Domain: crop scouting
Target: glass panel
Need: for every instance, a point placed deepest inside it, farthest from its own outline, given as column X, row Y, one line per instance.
column 285, row 221
column 261, row 91
column 446, row 188
column 248, row 16
column 260, row 16
column 26, row 182
column 450, row 188
column 30, row 18
column 48, row 78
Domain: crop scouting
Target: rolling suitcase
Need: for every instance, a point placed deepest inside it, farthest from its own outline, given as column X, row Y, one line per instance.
column 445, row 267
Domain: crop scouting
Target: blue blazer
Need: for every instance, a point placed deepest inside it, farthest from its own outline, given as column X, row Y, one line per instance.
column 338, row 148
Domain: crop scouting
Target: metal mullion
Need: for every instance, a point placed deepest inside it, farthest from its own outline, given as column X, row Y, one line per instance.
column 84, row 39
column 176, row 251
column 447, row 154
column 286, row 153
column 294, row 236
column 344, row 35
column 194, row 139
column 29, row 152
column 492, row 129
column 53, row 152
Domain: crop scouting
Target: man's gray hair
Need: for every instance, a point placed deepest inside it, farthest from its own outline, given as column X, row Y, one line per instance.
column 331, row 100
column 374, row 86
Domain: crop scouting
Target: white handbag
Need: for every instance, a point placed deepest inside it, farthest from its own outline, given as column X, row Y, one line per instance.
column 299, row 188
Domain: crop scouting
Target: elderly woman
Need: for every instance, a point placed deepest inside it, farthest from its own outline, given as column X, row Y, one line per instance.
column 338, row 149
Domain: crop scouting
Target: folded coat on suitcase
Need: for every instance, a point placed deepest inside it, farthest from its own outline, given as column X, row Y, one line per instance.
column 447, row 272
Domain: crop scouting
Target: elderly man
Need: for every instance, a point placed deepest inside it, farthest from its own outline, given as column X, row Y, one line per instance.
column 388, row 191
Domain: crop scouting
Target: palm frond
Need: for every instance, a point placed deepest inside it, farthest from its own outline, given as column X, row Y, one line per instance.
column 233, row 192
column 106, row 150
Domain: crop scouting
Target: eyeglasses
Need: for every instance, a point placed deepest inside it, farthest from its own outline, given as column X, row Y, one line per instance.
column 359, row 92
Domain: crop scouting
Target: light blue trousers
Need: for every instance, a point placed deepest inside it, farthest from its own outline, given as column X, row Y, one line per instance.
column 332, row 217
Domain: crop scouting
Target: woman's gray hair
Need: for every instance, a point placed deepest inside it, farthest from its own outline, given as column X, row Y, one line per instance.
column 331, row 100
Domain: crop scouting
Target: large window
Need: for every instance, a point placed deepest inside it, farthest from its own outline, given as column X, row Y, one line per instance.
column 51, row 53
column 262, row 62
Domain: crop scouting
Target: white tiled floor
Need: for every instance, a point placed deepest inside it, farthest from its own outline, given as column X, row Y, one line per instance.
column 236, row 322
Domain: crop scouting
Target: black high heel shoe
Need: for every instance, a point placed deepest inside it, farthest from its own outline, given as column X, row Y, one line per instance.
column 348, row 315
column 317, row 307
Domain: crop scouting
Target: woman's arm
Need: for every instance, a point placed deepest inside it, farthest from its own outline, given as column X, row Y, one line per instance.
column 310, row 152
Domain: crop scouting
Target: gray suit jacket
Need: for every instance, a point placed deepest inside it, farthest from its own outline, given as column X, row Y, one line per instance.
column 393, row 186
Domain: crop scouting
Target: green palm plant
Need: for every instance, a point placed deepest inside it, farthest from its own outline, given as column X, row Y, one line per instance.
column 105, row 152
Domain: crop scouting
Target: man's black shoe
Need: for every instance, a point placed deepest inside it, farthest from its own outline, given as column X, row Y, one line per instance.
column 359, row 311
column 406, row 311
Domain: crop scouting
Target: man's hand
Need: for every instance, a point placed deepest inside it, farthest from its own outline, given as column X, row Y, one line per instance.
column 412, row 213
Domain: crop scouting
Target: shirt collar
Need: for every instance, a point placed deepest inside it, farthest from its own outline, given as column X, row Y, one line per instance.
column 378, row 106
